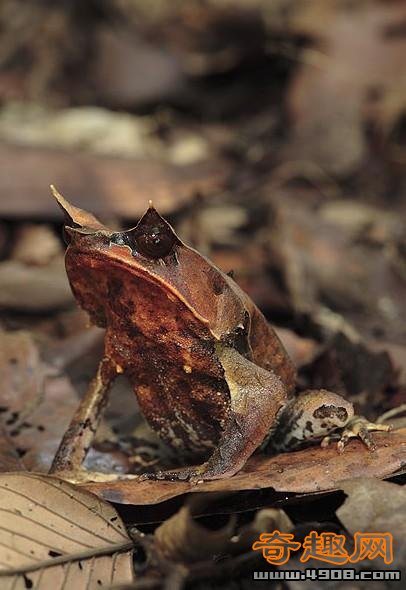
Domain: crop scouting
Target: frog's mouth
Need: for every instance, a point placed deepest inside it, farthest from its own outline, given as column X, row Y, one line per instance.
column 116, row 259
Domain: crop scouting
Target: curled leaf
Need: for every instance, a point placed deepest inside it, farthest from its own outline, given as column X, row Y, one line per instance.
column 369, row 499
column 265, row 521
column 182, row 539
column 379, row 507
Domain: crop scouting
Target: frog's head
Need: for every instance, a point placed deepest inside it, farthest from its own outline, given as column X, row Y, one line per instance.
column 150, row 252
column 152, row 239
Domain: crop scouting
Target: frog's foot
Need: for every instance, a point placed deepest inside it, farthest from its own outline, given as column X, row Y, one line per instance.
column 357, row 427
column 211, row 469
column 190, row 474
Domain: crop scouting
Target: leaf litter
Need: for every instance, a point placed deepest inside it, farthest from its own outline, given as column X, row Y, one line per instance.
column 54, row 535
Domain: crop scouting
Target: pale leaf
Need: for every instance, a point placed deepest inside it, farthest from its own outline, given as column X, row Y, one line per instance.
column 56, row 536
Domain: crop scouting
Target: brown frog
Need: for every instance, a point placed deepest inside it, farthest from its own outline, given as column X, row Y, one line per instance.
column 211, row 376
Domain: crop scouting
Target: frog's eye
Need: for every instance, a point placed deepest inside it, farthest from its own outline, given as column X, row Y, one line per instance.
column 155, row 242
column 153, row 237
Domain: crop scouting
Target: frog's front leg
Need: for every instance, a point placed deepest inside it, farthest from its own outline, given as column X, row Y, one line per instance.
column 319, row 415
column 357, row 427
column 257, row 396
column 82, row 429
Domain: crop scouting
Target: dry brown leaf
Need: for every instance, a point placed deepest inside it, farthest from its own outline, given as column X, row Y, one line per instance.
column 9, row 460
column 362, row 221
column 22, row 374
column 351, row 368
column 35, row 245
column 128, row 70
column 181, row 538
column 309, row 470
column 106, row 185
column 323, row 265
column 54, row 535
column 36, row 406
column 368, row 499
column 36, row 403
column 376, row 506
column 32, row 288
column 265, row 521
column 357, row 55
column 301, row 350
column 87, row 128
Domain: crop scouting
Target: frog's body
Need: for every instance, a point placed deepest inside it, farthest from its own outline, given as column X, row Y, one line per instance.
column 166, row 324
column 167, row 354
column 210, row 374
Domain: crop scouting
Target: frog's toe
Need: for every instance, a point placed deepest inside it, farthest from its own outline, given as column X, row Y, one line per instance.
column 357, row 427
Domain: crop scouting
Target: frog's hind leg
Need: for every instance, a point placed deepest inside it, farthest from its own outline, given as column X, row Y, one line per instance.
column 316, row 415
column 257, row 396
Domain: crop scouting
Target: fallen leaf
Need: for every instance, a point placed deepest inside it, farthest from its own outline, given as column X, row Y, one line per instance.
column 35, row 245
column 265, row 521
column 55, row 535
column 363, row 222
column 301, row 350
column 376, row 506
column 397, row 354
column 34, row 288
column 9, row 460
column 323, row 264
column 114, row 186
column 127, row 70
column 182, row 538
column 90, row 129
column 367, row 500
column 309, row 470
column 37, row 404
column 22, row 375
column 353, row 56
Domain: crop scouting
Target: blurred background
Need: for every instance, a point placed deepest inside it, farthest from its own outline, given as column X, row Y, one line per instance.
column 271, row 134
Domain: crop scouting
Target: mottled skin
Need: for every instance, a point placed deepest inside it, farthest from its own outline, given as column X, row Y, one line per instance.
column 210, row 374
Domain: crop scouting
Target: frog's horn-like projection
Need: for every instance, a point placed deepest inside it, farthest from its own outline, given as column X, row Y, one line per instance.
column 76, row 217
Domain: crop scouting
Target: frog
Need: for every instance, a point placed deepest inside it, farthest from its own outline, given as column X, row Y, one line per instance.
column 212, row 378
